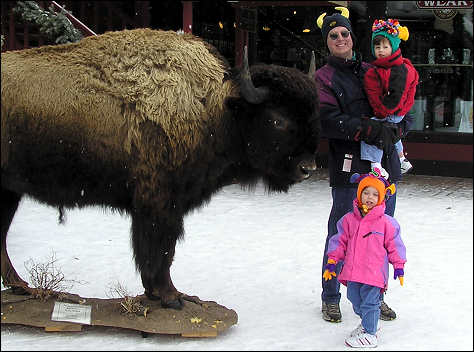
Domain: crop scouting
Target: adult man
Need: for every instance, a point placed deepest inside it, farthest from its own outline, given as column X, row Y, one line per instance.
column 345, row 113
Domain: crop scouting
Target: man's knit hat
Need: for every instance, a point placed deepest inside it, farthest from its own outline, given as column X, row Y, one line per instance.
column 374, row 179
column 391, row 30
column 326, row 23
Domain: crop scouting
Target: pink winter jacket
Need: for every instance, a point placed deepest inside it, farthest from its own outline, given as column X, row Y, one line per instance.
column 366, row 245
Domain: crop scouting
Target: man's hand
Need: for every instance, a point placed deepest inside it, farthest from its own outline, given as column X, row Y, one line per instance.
column 378, row 133
column 396, row 129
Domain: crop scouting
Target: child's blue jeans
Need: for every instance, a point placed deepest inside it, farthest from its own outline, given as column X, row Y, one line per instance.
column 365, row 301
column 371, row 152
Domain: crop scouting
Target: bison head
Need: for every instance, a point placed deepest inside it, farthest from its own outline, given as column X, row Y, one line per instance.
column 279, row 122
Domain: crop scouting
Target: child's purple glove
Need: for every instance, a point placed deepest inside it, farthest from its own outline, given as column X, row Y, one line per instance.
column 330, row 267
column 398, row 273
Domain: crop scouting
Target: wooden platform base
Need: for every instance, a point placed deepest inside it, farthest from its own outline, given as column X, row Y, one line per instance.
column 201, row 319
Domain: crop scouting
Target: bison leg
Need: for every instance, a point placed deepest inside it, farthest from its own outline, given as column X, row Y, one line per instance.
column 10, row 277
column 154, row 247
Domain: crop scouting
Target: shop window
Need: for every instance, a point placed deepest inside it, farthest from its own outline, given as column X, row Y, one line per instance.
column 286, row 35
column 216, row 25
column 440, row 47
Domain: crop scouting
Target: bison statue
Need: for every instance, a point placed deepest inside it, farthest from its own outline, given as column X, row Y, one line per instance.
column 149, row 123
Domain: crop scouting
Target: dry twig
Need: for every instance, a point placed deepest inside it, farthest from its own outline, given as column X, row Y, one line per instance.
column 128, row 304
column 47, row 279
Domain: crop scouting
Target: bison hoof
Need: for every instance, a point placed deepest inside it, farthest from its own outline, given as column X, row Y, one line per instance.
column 18, row 290
column 151, row 296
column 174, row 304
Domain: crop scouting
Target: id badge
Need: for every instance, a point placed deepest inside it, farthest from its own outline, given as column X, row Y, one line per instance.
column 346, row 165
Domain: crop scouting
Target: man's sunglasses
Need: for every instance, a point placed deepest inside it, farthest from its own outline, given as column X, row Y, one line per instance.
column 334, row 36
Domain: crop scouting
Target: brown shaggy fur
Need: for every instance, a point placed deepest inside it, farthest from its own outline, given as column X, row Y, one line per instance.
column 116, row 81
column 147, row 122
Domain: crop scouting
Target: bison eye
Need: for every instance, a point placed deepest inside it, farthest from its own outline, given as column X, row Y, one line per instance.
column 277, row 123
column 273, row 122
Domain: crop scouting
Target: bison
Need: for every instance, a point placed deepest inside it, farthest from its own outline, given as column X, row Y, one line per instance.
column 150, row 123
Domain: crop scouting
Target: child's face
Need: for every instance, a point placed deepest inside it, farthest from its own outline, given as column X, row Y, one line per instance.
column 369, row 197
column 383, row 49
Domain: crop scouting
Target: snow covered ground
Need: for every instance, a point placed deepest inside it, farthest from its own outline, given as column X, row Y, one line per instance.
column 261, row 255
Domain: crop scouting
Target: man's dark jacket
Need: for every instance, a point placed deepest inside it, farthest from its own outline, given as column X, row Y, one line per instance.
column 343, row 105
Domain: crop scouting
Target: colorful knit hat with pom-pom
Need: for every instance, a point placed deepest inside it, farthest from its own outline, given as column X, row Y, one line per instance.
column 374, row 179
column 390, row 29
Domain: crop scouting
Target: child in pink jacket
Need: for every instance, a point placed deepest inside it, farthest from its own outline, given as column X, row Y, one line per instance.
column 367, row 240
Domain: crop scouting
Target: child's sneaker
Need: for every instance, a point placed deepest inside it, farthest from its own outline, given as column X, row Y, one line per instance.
column 362, row 340
column 359, row 329
column 405, row 165
column 383, row 172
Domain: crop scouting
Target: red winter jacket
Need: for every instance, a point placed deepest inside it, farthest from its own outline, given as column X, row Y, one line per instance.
column 391, row 85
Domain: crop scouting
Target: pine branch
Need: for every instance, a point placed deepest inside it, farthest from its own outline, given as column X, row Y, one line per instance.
column 53, row 24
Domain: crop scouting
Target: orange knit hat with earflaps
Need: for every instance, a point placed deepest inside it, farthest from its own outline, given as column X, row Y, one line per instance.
column 374, row 179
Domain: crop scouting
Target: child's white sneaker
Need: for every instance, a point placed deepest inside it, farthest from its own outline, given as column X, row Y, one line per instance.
column 359, row 329
column 382, row 171
column 362, row 340
column 405, row 165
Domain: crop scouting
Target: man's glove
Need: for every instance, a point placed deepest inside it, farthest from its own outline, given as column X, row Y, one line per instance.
column 329, row 270
column 377, row 133
column 396, row 129
column 398, row 273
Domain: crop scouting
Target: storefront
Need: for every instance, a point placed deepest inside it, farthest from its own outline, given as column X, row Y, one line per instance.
column 285, row 33
column 440, row 47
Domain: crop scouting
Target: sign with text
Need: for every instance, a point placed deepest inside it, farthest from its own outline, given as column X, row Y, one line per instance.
column 74, row 313
column 440, row 5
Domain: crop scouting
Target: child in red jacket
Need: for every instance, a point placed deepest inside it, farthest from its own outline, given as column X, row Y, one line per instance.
column 390, row 85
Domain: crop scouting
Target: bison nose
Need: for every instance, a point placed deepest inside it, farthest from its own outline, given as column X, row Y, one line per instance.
column 307, row 167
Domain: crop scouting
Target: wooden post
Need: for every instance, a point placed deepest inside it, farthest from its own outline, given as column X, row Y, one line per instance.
column 26, row 37
column 241, row 39
column 187, row 16
column 11, row 32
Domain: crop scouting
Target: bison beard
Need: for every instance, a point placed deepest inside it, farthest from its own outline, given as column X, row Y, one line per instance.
column 150, row 123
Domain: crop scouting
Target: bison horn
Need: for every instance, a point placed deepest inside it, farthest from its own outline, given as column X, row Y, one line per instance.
column 249, row 92
column 312, row 66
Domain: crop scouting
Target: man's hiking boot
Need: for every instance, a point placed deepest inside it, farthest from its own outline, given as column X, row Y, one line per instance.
column 386, row 313
column 331, row 312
